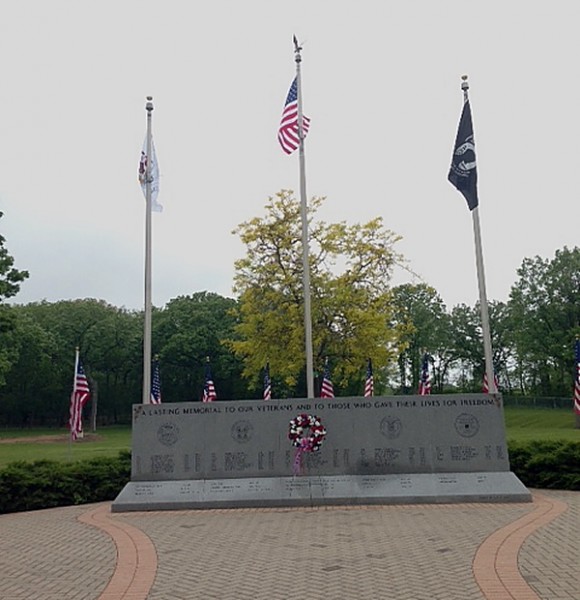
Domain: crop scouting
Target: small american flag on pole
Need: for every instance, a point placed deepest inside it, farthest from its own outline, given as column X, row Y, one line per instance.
column 288, row 132
column 577, row 379
column 327, row 389
column 79, row 397
column 267, row 383
column 425, row 381
column 369, row 381
column 485, row 387
column 156, row 384
column 209, row 393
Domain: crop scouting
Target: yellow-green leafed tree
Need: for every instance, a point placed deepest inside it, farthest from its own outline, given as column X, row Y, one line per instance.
column 350, row 271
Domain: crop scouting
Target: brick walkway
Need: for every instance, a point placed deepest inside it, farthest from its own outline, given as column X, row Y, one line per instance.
column 414, row 552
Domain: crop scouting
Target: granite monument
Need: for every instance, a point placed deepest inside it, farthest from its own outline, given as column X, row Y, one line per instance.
column 397, row 449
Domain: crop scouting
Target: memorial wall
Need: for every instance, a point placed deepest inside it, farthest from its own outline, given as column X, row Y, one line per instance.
column 364, row 436
column 400, row 449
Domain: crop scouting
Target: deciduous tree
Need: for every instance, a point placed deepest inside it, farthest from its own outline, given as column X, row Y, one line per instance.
column 10, row 280
column 421, row 312
column 544, row 307
column 350, row 272
column 185, row 332
column 10, row 276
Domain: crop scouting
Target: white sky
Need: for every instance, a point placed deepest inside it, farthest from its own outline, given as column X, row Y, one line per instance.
column 381, row 84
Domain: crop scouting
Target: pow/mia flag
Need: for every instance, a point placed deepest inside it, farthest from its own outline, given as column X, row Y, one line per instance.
column 463, row 171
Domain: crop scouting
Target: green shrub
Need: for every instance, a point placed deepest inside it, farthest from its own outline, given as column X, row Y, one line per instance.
column 46, row 484
column 547, row 464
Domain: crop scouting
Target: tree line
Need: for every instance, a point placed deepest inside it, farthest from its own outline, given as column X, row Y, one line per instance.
column 356, row 315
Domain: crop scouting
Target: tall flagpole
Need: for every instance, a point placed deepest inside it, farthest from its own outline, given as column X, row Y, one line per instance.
column 481, row 280
column 147, row 319
column 304, row 215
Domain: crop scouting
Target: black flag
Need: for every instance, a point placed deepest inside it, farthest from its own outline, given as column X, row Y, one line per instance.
column 463, row 171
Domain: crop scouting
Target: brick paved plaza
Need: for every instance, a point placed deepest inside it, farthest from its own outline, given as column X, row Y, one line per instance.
column 523, row 551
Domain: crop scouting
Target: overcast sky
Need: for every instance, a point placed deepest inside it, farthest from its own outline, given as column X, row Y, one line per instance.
column 381, row 85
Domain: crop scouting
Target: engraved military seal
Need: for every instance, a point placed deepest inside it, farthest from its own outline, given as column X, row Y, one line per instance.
column 466, row 425
column 242, row 431
column 168, row 434
column 391, row 427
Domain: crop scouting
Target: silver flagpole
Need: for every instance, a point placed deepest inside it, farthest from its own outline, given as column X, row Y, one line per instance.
column 147, row 319
column 481, row 281
column 304, row 215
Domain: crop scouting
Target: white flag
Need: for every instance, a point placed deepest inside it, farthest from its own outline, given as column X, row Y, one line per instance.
column 153, row 174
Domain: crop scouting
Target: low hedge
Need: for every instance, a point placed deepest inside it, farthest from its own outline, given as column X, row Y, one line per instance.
column 47, row 484
column 547, row 465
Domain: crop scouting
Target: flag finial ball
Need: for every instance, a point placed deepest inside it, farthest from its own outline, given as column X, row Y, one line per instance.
column 149, row 105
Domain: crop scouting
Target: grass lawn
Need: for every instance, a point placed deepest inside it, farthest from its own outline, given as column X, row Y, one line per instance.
column 522, row 425
column 549, row 424
column 54, row 444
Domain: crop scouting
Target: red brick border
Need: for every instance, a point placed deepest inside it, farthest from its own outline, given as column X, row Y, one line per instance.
column 136, row 566
column 495, row 565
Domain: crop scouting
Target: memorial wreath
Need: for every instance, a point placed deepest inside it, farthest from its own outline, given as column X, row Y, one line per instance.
column 306, row 433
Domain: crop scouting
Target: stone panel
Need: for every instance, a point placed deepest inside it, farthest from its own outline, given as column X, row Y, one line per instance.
column 322, row 490
column 365, row 436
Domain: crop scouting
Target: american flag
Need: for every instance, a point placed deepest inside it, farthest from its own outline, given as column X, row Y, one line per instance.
column 369, row 381
column 156, row 384
column 577, row 379
column 327, row 389
column 267, row 383
column 209, row 394
column 79, row 397
column 288, row 129
column 485, row 387
column 425, row 381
